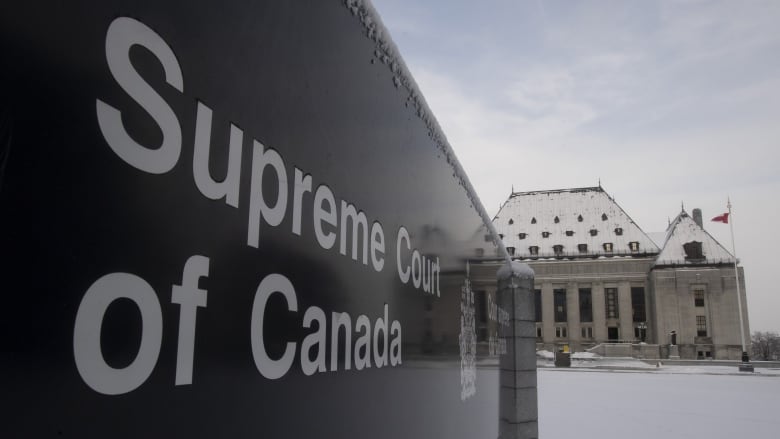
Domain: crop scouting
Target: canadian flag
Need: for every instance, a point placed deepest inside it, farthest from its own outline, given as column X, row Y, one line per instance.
column 722, row 218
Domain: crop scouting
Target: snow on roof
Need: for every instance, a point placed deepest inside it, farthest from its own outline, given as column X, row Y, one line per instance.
column 569, row 218
column 684, row 230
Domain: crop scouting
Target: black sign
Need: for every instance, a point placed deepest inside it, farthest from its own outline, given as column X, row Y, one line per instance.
column 232, row 219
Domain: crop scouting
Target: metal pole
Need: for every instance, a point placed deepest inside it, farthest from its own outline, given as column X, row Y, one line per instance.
column 739, row 292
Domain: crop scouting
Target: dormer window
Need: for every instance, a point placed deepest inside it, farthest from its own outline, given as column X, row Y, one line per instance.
column 533, row 250
column 603, row 216
column 511, row 221
column 619, row 231
column 579, row 218
column 533, row 220
column 633, row 246
column 558, row 250
column 693, row 250
column 569, row 233
column 511, row 251
column 608, row 247
column 594, row 232
column 582, row 248
column 545, row 234
column 521, row 235
column 556, row 220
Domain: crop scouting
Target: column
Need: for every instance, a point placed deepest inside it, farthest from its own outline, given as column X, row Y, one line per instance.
column 599, row 313
column 624, row 311
column 548, row 314
column 573, row 315
column 518, row 412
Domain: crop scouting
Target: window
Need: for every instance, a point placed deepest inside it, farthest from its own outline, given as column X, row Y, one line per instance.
column 638, row 304
column 500, row 236
column 619, row 231
column 587, row 332
column 633, row 246
column 582, row 248
column 533, row 220
column 698, row 297
column 579, row 218
column 610, row 294
column 480, row 252
column 701, row 326
column 556, row 220
column 511, row 251
column 533, row 250
column 560, row 332
column 538, row 305
column 558, row 250
column 511, row 221
column 569, row 233
column 594, row 232
column 608, row 247
column 586, row 306
column 559, row 300
column 538, row 332
column 521, row 235
column 693, row 250
column 603, row 216
column 545, row 234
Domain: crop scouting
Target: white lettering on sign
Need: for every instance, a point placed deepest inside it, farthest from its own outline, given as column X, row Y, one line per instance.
column 423, row 272
column 90, row 363
column 386, row 346
column 124, row 33
column 360, row 238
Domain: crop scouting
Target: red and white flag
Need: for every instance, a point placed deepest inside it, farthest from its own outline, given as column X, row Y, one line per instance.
column 722, row 218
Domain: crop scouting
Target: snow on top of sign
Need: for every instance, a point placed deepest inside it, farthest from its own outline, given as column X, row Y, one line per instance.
column 684, row 230
column 387, row 53
column 570, row 218
column 515, row 268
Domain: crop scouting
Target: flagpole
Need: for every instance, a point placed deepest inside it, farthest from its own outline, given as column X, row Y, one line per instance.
column 745, row 356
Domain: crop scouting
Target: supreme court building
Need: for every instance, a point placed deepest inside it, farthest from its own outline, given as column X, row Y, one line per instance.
column 603, row 282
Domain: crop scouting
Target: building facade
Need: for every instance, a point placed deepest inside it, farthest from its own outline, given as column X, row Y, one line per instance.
column 601, row 282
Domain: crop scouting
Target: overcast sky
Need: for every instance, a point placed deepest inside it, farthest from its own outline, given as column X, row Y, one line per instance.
column 665, row 102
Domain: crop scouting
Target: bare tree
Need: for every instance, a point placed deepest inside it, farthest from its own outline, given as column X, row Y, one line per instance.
column 766, row 345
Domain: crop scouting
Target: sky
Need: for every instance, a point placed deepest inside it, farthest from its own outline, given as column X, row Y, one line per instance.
column 664, row 103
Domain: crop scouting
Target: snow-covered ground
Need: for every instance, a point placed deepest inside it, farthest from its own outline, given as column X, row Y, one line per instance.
column 666, row 402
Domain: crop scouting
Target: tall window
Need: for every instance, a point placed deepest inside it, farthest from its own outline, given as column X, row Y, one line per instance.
column 701, row 326
column 586, row 306
column 559, row 299
column 558, row 250
column 638, row 304
column 698, row 297
column 538, row 305
column 533, row 250
column 610, row 294
column 511, row 251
